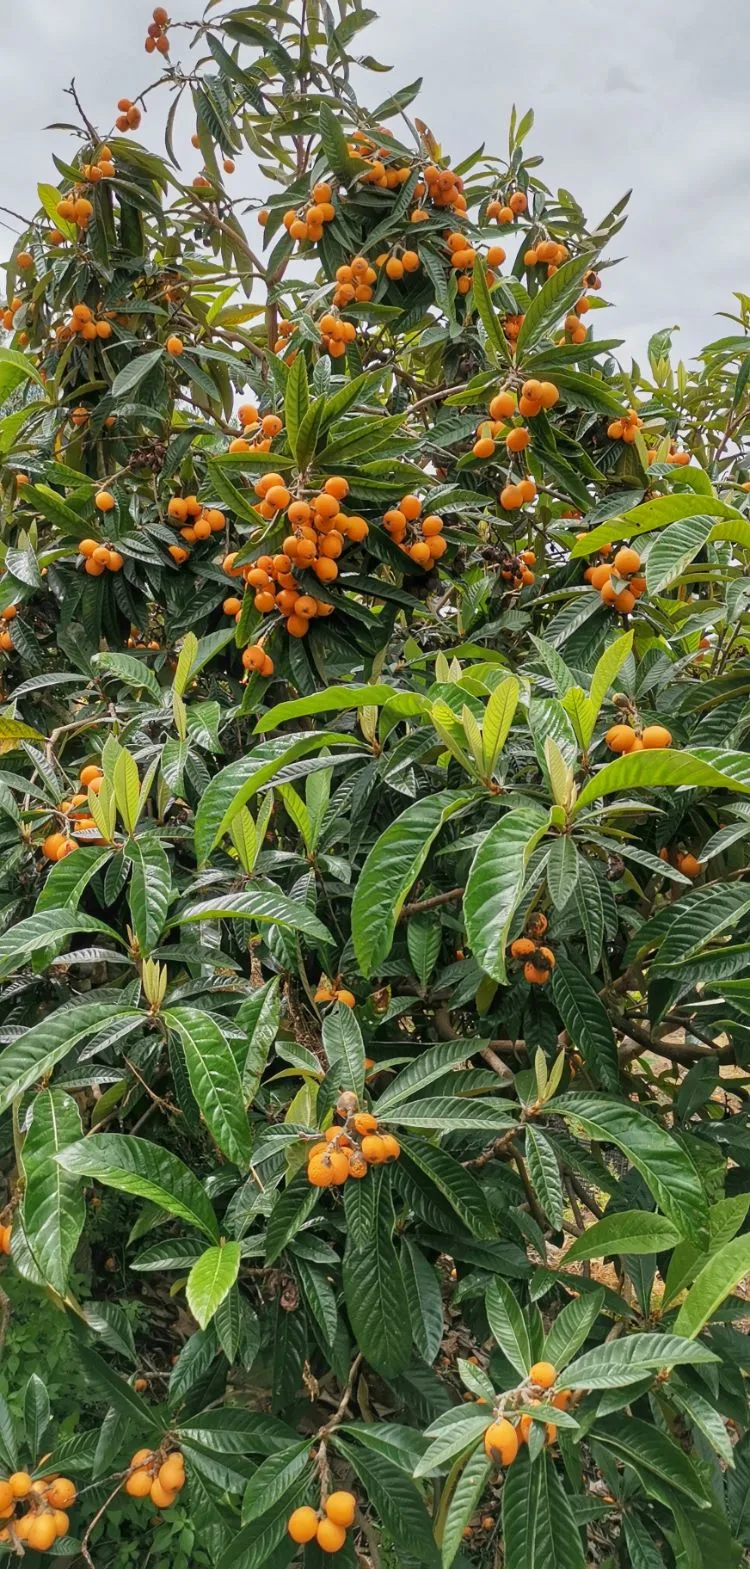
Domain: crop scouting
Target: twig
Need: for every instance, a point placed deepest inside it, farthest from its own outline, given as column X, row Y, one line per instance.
column 85, row 1554
column 431, row 904
column 343, row 1405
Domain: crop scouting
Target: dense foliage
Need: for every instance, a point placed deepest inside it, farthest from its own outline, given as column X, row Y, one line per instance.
column 374, row 813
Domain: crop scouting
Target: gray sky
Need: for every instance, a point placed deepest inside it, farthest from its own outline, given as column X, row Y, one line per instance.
column 653, row 97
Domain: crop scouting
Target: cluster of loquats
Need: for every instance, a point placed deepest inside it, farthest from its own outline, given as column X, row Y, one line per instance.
column 77, row 820
column 398, row 262
column 154, row 1475
column 6, row 641
column 319, row 529
column 135, row 640
column 83, row 323
column 505, row 209
column 129, row 116
column 575, row 331
column 350, row 1150
column 306, row 224
column 254, row 657
column 627, row 738
column 504, row 1437
column 619, row 583
column 511, row 325
column 385, row 170
column 419, row 538
column 98, row 558
column 44, row 1519
column 625, row 429
column 156, row 32
column 546, row 253
column 327, row 1525
column 335, row 334
column 539, row 962
column 683, row 860
column 195, row 522
column 354, row 282
column 677, row 456
column 9, row 313
column 442, row 187
column 104, row 166
column 262, row 428
column 6, row 1233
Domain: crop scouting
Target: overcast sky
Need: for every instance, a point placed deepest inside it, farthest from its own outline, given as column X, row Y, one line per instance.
column 649, row 96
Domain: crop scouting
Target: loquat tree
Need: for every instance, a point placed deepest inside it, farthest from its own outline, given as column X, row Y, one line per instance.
column 375, row 934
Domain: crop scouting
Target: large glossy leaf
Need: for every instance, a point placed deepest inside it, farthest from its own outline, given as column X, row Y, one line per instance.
column 446, row 1114
column 617, row 1363
column 211, row 1279
column 373, row 1287
column 539, row 1528
column 150, row 885
column 68, row 879
column 661, row 1161
column 648, row 517
column 34, row 1054
column 586, row 1021
column 718, row 1277
column 544, row 1172
column 344, row 1049
column 392, row 865
column 508, row 1324
column 495, row 884
column 655, row 769
column 396, row 1499
column 334, row 700
column 135, row 1166
column 54, row 1210
column 43, row 931
column 466, row 1494
column 626, row 1231
column 266, row 906
column 434, row 1063
column 291, row 1209
column 423, row 1295
column 653, row 1456
column 214, row 1080
column 571, row 1328
column 674, row 549
column 453, row 1181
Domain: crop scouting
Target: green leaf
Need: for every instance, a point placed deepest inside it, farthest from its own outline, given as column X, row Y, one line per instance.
column 44, row 930
column 109, row 1386
column 33, row 1055
column 674, row 550
column 498, row 718
column 628, row 1231
column 54, row 1210
column 539, row 1527
column 291, row 1209
column 605, row 674
column 262, row 905
column 134, row 1165
column 446, row 1113
column 509, row 1327
column 661, row 1161
column 273, row 1479
column 373, row 1287
column 453, row 1181
column 431, row 1064
column 149, row 891
column 717, row 1278
column 233, row 786
column 652, row 769
column 585, row 1018
column 395, row 1499
column 211, row 1278
column 130, row 671
column 67, row 879
column 483, row 301
column 214, row 1080
column 653, row 1456
column 554, row 298
column 571, row 1328
column 260, row 1016
column 296, row 401
column 344, row 1049
column 469, row 1488
column 136, row 371
column 648, row 517
column 16, row 368
column 393, row 864
column 495, row 884
column 617, row 1363
column 544, row 1172
column 423, row 1295
column 563, row 861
